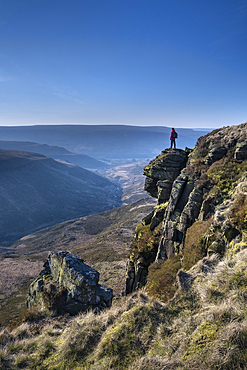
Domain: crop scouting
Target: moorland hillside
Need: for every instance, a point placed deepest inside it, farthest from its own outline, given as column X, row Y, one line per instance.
column 54, row 152
column 37, row 191
column 186, row 277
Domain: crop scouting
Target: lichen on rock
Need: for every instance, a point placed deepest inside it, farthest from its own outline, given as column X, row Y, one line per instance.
column 162, row 171
column 67, row 284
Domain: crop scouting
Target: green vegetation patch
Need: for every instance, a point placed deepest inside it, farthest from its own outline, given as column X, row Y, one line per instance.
column 201, row 339
column 162, row 278
column 131, row 336
column 194, row 246
column 238, row 214
column 238, row 280
column 224, row 174
column 146, row 243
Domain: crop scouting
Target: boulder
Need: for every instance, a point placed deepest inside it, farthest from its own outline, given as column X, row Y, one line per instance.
column 241, row 151
column 215, row 154
column 67, row 284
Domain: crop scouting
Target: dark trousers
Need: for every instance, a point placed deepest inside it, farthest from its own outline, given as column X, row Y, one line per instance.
column 173, row 143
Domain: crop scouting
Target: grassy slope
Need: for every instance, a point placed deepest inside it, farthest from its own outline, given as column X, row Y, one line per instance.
column 102, row 240
column 202, row 327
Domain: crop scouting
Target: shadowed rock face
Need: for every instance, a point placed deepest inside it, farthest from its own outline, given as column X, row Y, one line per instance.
column 172, row 190
column 187, row 191
column 162, row 171
column 67, row 284
column 241, row 151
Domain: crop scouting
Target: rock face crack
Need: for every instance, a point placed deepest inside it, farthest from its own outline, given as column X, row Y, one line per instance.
column 172, row 190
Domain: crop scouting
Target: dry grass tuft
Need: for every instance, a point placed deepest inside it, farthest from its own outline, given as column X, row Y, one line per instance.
column 204, row 327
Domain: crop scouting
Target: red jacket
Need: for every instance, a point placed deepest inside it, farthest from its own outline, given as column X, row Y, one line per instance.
column 171, row 136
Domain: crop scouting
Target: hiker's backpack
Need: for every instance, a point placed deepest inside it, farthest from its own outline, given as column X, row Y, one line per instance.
column 175, row 135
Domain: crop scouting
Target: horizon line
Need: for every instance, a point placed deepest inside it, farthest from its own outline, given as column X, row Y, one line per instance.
column 107, row 124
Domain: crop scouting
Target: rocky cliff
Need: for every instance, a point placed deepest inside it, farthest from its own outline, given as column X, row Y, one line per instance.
column 198, row 191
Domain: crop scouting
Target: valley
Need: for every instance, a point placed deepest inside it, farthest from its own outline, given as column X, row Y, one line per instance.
column 101, row 239
column 37, row 191
column 186, row 271
column 130, row 178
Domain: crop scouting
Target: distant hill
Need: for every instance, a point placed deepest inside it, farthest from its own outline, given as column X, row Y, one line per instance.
column 37, row 191
column 54, row 152
column 103, row 141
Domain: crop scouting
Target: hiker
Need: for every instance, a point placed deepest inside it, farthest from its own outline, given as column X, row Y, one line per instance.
column 173, row 136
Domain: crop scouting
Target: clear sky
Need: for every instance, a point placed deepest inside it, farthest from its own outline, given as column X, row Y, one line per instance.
column 179, row 63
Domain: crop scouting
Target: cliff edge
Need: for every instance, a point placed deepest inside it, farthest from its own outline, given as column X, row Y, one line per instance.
column 197, row 191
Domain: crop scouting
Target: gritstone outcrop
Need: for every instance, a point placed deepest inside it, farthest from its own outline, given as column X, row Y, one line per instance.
column 164, row 183
column 191, row 185
column 67, row 284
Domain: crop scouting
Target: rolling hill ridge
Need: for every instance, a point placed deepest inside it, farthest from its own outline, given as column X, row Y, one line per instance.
column 54, row 152
column 37, row 191
column 103, row 141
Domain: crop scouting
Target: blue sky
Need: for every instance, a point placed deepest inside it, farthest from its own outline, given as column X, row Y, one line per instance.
column 179, row 63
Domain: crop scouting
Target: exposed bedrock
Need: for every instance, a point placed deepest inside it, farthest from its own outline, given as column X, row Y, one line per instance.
column 215, row 154
column 241, row 151
column 162, row 171
column 169, row 220
column 204, row 186
column 176, row 222
column 67, row 284
column 164, row 181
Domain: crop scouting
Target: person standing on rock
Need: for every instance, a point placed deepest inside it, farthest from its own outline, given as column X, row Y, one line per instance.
column 173, row 136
